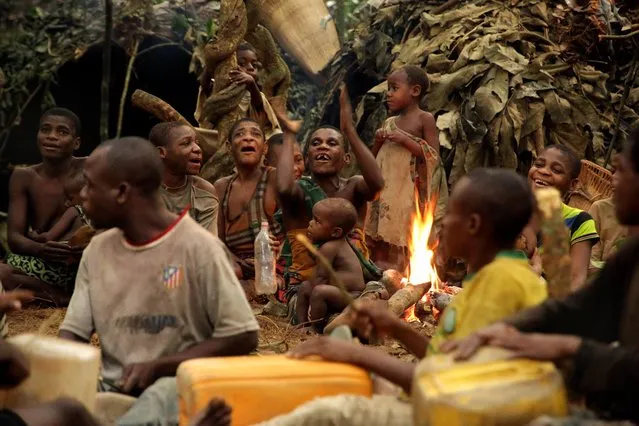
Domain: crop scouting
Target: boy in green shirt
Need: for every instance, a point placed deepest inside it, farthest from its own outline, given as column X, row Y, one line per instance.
column 486, row 212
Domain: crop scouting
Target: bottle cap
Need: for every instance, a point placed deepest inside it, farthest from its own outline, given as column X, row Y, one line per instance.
column 265, row 225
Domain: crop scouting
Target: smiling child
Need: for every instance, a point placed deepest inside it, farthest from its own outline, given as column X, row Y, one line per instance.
column 557, row 166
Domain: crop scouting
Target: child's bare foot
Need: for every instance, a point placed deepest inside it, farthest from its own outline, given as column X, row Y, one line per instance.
column 217, row 413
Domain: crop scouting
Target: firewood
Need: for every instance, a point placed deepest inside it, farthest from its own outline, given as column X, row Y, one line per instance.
column 441, row 300
column 392, row 280
column 406, row 297
column 555, row 255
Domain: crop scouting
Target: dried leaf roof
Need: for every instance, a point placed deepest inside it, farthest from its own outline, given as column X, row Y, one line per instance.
column 507, row 76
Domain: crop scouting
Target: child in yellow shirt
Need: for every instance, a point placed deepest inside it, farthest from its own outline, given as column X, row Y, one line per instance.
column 486, row 212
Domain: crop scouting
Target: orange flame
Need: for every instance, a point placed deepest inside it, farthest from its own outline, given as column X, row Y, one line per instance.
column 422, row 257
column 409, row 315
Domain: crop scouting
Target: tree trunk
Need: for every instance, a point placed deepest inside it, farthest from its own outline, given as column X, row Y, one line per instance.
column 106, row 70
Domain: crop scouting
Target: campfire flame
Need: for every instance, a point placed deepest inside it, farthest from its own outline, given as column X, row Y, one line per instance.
column 422, row 257
column 421, row 267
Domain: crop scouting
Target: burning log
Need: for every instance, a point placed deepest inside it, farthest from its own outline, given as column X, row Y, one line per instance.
column 406, row 297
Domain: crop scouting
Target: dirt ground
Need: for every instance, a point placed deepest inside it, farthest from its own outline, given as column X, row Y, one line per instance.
column 276, row 334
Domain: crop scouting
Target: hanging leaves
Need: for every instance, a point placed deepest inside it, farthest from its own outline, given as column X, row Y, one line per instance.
column 504, row 80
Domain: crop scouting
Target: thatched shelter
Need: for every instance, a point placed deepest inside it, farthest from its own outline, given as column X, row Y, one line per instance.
column 507, row 76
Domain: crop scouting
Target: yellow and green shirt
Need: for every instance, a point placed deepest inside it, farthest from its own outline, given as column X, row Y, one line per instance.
column 503, row 287
column 581, row 225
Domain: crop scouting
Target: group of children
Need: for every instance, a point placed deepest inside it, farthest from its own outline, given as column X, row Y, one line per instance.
column 482, row 222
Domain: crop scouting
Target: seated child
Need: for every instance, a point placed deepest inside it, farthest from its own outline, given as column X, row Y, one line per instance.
column 333, row 219
column 72, row 219
column 557, row 166
column 486, row 212
column 407, row 151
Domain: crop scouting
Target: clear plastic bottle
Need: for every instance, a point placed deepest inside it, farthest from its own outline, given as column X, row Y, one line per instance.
column 265, row 282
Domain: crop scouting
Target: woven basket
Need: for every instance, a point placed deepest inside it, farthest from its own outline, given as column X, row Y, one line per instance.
column 595, row 183
column 304, row 29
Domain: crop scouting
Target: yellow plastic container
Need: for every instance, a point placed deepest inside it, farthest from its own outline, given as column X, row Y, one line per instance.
column 260, row 388
column 59, row 368
column 488, row 390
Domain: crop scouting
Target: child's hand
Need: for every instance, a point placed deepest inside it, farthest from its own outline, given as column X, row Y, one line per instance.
column 12, row 300
column 380, row 136
column 397, row 137
column 373, row 317
column 328, row 348
column 276, row 245
column 240, row 77
column 345, row 109
column 39, row 238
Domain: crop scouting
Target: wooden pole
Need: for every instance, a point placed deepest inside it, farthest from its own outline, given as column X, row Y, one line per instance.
column 106, row 70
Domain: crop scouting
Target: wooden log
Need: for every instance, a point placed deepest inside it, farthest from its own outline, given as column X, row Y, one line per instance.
column 163, row 111
column 406, row 297
column 392, row 281
column 555, row 255
column 156, row 106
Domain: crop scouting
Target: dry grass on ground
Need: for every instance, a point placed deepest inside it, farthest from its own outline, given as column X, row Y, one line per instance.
column 276, row 334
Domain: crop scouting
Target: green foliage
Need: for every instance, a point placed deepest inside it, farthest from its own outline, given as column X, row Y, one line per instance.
column 35, row 42
column 348, row 11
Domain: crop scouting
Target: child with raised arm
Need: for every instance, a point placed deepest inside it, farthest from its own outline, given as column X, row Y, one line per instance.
column 407, row 151
column 486, row 212
column 333, row 219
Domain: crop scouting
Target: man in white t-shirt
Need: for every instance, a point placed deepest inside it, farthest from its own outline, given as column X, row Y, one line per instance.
column 157, row 288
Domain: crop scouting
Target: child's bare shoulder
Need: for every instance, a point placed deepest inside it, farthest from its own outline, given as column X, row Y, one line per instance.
column 426, row 117
column 331, row 246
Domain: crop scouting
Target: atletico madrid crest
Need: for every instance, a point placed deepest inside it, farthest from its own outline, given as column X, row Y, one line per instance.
column 173, row 276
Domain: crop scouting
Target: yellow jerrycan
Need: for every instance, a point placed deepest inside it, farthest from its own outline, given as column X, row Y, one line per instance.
column 259, row 388
column 58, row 368
column 490, row 389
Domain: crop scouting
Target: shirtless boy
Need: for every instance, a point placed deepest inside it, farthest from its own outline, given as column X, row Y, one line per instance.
column 248, row 197
column 407, row 151
column 327, row 157
column 333, row 219
column 181, row 187
column 36, row 202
